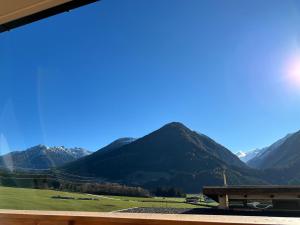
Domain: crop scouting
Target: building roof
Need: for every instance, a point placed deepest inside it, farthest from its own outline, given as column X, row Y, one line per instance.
column 215, row 191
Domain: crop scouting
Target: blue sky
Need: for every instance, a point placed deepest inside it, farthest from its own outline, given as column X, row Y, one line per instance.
column 125, row 68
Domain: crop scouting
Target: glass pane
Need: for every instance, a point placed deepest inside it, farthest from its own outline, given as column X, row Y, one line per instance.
column 153, row 106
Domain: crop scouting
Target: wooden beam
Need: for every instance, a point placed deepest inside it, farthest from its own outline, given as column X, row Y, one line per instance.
column 269, row 196
column 253, row 192
column 15, row 13
column 16, row 9
column 223, row 202
column 20, row 217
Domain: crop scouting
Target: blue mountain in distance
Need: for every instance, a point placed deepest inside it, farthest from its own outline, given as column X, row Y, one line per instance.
column 41, row 157
column 119, row 143
column 267, row 157
column 255, row 158
column 245, row 156
column 283, row 153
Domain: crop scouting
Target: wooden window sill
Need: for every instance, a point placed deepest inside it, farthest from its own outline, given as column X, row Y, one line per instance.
column 28, row 217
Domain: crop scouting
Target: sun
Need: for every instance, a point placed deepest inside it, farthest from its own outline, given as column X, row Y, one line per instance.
column 293, row 72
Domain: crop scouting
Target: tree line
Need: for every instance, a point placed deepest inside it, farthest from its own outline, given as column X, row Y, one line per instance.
column 44, row 181
column 168, row 192
column 54, row 182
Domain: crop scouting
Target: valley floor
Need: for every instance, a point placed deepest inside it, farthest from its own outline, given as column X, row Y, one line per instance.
column 36, row 199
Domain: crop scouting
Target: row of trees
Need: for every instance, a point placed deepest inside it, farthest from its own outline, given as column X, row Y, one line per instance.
column 91, row 188
column 168, row 192
column 49, row 181
column 105, row 189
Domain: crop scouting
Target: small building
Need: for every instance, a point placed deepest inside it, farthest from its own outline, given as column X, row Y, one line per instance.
column 192, row 200
column 280, row 197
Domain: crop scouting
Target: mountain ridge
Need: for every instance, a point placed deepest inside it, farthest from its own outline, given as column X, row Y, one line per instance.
column 172, row 155
column 261, row 160
column 246, row 156
column 41, row 157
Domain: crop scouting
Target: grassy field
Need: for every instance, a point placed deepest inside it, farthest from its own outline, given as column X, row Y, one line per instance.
column 35, row 199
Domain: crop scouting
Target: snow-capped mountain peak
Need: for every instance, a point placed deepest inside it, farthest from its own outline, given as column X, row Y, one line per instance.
column 245, row 156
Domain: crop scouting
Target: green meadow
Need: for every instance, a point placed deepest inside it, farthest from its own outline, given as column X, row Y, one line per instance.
column 37, row 199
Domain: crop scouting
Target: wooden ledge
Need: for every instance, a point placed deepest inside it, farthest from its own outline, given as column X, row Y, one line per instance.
column 28, row 217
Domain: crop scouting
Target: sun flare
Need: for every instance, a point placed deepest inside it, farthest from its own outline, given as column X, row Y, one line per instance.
column 293, row 73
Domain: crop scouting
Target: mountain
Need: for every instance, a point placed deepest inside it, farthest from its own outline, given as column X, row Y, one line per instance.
column 118, row 143
column 280, row 163
column 246, row 156
column 41, row 157
column 276, row 154
column 173, row 156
